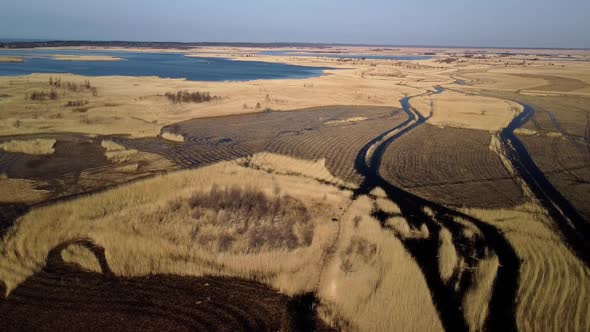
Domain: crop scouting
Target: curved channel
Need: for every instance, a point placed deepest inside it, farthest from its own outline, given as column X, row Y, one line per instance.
column 572, row 226
column 448, row 302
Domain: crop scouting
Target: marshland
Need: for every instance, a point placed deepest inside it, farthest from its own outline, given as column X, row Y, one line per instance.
column 293, row 186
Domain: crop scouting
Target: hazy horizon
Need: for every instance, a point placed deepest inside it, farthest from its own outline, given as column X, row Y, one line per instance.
column 9, row 40
column 527, row 24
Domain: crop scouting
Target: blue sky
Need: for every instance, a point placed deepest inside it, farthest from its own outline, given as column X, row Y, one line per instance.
column 513, row 23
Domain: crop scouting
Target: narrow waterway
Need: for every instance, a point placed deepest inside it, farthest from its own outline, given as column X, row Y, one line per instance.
column 447, row 300
column 572, row 226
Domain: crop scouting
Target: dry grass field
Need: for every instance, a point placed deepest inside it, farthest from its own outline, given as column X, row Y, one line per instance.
column 248, row 210
column 287, row 231
column 138, row 107
column 372, row 282
column 43, row 168
column 553, row 286
column 34, row 146
column 458, row 110
column 566, row 165
column 454, row 167
column 20, row 191
column 558, row 139
column 313, row 134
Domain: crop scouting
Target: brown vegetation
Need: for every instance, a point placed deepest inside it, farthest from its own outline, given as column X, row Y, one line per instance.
column 190, row 97
column 566, row 165
column 20, row 191
column 71, row 86
column 172, row 137
column 162, row 224
column 282, row 233
column 372, row 283
column 558, row 141
column 244, row 220
column 308, row 134
column 450, row 166
column 43, row 95
column 447, row 255
column 553, row 283
column 50, row 166
column 76, row 103
column 289, row 223
column 556, row 83
column 38, row 146
column 476, row 300
column 461, row 110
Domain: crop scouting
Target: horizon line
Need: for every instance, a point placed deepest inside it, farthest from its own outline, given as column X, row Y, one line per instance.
column 14, row 41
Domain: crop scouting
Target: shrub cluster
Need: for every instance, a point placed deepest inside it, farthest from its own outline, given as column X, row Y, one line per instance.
column 185, row 96
column 447, row 60
column 74, row 87
column 247, row 219
column 43, row 95
column 76, row 103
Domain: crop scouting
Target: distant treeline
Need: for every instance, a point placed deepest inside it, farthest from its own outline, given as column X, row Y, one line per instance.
column 190, row 97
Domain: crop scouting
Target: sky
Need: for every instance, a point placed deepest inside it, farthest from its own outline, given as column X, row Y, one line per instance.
column 499, row 23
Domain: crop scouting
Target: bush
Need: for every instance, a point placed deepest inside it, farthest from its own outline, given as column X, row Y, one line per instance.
column 43, row 95
column 76, row 103
column 247, row 219
column 75, row 87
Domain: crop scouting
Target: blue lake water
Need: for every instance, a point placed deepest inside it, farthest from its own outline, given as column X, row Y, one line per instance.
column 169, row 65
column 349, row 55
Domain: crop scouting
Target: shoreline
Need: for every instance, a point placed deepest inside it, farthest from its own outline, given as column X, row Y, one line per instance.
column 67, row 57
column 11, row 59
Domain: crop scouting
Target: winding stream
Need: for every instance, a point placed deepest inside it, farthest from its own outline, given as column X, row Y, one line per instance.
column 447, row 301
column 571, row 225
column 501, row 314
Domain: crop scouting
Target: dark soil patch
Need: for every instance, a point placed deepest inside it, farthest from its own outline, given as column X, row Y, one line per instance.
column 72, row 155
column 9, row 213
column 62, row 297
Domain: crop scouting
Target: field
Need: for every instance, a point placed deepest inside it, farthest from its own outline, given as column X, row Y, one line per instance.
column 460, row 110
column 558, row 139
column 455, row 167
column 383, row 195
column 553, row 287
column 292, row 263
column 67, row 165
column 311, row 134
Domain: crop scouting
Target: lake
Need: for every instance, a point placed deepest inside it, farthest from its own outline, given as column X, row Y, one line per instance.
column 168, row 65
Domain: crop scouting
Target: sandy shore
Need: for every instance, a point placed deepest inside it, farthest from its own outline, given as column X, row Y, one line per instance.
column 65, row 57
column 11, row 59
